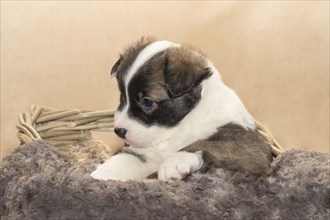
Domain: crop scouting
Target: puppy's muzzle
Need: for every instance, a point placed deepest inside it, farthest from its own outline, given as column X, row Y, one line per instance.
column 121, row 132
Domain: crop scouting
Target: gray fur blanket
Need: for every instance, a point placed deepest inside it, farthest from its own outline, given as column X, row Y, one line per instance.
column 40, row 181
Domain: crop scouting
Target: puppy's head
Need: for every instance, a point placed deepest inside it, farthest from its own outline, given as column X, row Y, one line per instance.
column 159, row 83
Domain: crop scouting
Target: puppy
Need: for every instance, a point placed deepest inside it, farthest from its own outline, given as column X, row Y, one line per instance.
column 178, row 117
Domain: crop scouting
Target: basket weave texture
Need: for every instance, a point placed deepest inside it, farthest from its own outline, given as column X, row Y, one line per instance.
column 64, row 127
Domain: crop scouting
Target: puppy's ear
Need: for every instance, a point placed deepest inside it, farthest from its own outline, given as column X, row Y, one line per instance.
column 184, row 70
column 115, row 68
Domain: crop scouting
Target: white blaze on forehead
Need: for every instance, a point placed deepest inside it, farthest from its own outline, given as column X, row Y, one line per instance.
column 147, row 53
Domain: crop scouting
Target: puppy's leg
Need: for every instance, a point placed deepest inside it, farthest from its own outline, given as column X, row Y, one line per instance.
column 180, row 164
column 125, row 167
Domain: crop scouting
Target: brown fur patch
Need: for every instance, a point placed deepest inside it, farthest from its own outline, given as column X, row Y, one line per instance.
column 237, row 149
column 184, row 69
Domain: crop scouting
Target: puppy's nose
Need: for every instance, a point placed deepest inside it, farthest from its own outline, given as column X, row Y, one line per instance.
column 121, row 132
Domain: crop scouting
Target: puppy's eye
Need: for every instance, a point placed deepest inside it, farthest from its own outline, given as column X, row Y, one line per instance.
column 147, row 102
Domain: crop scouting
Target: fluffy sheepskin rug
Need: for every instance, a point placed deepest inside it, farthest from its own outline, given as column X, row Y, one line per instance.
column 40, row 181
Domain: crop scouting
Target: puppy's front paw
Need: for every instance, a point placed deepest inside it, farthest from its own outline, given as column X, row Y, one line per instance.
column 121, row 167
column 109, row 171
column 179, row 165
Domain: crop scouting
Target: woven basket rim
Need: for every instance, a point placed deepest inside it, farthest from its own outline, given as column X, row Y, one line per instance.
column 63, row 127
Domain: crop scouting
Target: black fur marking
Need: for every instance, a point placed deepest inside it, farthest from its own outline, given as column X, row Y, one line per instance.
column 122, row 101
column 141, row 157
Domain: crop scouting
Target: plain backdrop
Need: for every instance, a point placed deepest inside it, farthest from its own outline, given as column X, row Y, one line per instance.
column 274, row 54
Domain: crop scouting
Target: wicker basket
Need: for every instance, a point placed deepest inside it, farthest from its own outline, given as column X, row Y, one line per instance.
column 63, row 127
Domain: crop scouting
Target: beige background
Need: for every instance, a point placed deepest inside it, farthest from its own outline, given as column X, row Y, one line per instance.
column 275, row 54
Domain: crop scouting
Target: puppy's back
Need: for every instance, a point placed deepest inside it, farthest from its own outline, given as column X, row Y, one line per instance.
column 235, row 148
